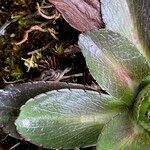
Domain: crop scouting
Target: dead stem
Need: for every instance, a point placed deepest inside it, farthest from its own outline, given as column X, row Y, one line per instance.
column 53, row 33
column 39, row 50
column 43, row 13
column 12, row 82
column 39, row 28
column 14, row 146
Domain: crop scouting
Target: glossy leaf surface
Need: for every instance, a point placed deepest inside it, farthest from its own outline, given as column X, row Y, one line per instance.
column 121, row 133
column 12, row 97
column 130, row 18
column 114, row 62
column 66, row 118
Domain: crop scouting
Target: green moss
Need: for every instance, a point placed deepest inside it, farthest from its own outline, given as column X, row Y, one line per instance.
column 17, row 16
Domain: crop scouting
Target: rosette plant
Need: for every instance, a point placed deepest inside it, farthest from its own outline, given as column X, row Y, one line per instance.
column 118, row 58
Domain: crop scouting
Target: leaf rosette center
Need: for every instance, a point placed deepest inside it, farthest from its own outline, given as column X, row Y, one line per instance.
column 142, row 107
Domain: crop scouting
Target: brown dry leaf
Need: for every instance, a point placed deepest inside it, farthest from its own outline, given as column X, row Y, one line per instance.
column 83, row 15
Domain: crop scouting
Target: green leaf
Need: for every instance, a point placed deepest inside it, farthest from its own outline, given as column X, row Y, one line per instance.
column 12, row 97
column 142, row 107
column 121, row 133
column 66, row 118
column 114, row 62
column 144, row 83
column 130, row 18
column 116, row 16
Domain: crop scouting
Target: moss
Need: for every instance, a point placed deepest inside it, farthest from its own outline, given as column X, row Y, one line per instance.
column 18, row 16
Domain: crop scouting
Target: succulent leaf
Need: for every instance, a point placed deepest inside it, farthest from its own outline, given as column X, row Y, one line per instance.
column 121, row 133
column 144, row 83
column 114, row 62
column 116, row 16
column 142, row 107
column 130, row 18
column 12, row 97
column 66, row 118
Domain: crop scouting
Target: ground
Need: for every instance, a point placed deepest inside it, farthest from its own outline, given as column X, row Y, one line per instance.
column 30, row 45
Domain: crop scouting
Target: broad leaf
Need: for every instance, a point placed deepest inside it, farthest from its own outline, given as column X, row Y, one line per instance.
column 114, row 62
column 121, row 133
column 66, row 118
column 80, row 14
column 12, row 97
column 130, row 18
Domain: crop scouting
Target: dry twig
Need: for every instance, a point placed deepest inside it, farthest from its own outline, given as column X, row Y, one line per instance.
column 43, row 13
column 39, row 28
column 39, row 50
